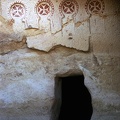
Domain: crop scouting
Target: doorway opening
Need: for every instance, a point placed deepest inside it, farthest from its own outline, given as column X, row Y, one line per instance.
column 76, row 101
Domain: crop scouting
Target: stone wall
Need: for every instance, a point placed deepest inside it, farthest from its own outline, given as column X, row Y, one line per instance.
column 67, row 38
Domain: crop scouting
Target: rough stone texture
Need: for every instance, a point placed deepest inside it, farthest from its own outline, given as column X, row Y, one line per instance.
column 27, row 80
column 28, row 85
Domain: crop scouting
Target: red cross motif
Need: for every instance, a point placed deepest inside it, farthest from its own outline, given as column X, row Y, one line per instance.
column 43, row 9
column 68, row 7
column 95, row 6
column 17, row 10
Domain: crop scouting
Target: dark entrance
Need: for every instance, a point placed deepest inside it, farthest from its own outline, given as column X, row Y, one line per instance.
column 76, row 99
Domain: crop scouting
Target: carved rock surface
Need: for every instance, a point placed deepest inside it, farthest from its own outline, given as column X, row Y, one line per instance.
column 68, row 38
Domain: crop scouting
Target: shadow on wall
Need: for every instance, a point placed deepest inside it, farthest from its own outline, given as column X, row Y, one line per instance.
column 76, row 99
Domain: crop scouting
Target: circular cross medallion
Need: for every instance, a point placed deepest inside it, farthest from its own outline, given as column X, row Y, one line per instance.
column 68, row 7
column 17, row 10
column 95, row 6
column 44, row 7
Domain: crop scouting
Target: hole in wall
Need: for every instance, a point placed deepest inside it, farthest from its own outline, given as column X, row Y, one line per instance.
column 76, row 100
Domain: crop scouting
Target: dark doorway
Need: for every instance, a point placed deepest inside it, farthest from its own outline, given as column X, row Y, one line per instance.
column 76, row 99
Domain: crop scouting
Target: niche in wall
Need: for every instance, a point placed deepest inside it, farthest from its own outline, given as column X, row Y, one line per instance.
column 76, row 102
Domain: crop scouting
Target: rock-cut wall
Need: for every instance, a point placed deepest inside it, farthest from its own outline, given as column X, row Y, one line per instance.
column 43, row 40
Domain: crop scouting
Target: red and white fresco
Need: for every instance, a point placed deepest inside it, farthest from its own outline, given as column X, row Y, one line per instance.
column 17, row 10
column 44, row 7
column 69, row 7
column 95, row 6
column 55, row 22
